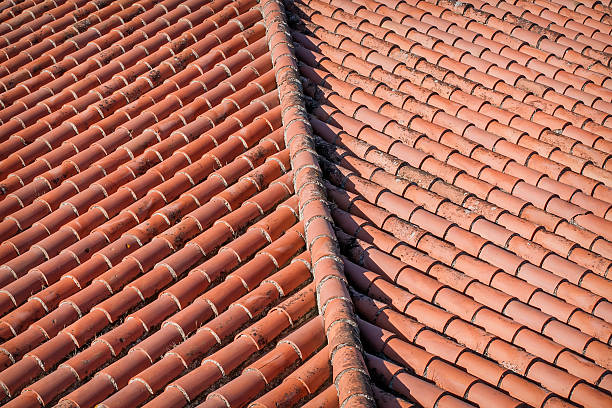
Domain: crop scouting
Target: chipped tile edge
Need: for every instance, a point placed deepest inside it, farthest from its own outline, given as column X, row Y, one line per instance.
column 350, row 374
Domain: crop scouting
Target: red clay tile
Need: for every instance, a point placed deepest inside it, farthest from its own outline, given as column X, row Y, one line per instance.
column 163, row 177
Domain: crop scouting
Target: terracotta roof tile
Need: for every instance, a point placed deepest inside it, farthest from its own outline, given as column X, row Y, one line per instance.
column 341, row 203
column 152, row 205
column 527, row 163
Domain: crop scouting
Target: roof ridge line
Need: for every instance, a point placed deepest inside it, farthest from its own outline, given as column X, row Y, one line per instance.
column 349, row 371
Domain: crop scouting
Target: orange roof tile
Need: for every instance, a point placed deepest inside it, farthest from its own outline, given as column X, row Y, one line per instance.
column 343, row 203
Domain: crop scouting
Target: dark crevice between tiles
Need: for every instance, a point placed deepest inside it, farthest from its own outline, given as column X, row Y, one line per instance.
column 237, row 372
column 325, row 151
column 328, row 151
column 295, row 19
column 386, row 387
column 349, row 242
column 88, row 344
column 346, row 243
column 84, row 380
column 227, row 340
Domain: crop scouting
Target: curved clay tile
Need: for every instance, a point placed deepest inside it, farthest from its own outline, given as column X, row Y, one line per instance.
column 319, row 203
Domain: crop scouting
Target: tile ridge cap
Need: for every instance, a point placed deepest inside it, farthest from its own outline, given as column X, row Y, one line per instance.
column 349, row 371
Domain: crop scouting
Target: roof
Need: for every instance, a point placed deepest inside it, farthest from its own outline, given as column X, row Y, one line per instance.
column 350, row 203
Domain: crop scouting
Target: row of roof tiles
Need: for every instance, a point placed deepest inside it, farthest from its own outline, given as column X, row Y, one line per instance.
column 431, row 178
column 138, row 139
